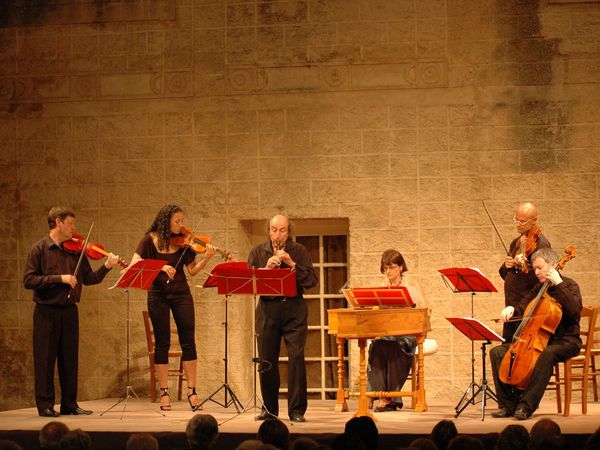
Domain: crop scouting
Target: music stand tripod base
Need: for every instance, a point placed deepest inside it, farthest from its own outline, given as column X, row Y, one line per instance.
column 476, row 331
column 140, row 276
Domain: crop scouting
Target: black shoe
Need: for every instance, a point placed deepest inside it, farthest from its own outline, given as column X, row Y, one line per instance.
column 297, row 417
column 502, row 413
column 522, row 413
column 48, row 412
column 264, row 415
column 386, row 408
column 75, row 412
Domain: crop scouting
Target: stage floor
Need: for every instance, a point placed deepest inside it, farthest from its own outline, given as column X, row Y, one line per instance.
column 141, row 415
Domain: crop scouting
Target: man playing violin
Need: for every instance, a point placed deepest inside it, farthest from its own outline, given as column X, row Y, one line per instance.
column 564, row 344
column 516, row 268
column 283, row 317
column 52, row 274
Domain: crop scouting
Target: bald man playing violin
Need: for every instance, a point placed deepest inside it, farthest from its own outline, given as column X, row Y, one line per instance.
column 516, row 271
column 51, row 273
column 563, row 344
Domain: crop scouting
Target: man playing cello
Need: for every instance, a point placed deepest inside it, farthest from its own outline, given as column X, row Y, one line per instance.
column 564, row 344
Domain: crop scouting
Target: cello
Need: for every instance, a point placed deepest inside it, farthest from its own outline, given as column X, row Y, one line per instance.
column 540, row 320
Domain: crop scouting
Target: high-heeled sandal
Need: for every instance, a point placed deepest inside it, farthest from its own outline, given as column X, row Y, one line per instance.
column 195, row 406
column 165, row 406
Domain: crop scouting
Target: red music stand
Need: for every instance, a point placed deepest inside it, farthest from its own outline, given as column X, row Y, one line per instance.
column 476, row 331
column 465, row 279
column 385, row 296
column 235, row 277
column 139, row 276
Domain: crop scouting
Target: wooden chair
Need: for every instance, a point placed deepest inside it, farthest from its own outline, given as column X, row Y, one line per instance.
column 578, row 367
column 594, row 344
column 172, row 354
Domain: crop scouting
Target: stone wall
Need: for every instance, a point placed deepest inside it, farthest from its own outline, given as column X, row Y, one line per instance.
column 400, row 115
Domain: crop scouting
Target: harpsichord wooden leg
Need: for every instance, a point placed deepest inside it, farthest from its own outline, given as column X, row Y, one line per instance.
column 340, row 402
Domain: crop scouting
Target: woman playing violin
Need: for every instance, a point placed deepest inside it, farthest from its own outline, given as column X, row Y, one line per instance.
column 516, row 269
column 564, row 344
column 170, row 292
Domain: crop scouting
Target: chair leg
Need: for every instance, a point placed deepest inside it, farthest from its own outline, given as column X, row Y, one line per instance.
column 594, row 378
column 557, row 387
column 568, row 387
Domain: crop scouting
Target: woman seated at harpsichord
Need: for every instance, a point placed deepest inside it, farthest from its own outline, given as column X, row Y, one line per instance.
column 390, row 357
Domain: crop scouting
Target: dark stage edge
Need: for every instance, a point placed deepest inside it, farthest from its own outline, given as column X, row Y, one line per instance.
column 396, row 429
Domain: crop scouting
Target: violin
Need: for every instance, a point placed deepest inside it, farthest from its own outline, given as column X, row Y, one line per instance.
column 528, row 245
column 540, row 320
column 196, row 243
column 93, row 250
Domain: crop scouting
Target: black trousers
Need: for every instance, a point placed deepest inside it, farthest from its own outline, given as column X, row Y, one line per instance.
column 276, row 319
column 55, row 340
column 182, row 305
column 530, row 398
column 388, row 367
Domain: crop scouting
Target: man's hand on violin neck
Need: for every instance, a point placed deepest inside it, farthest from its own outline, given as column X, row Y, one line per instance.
column 111, row 261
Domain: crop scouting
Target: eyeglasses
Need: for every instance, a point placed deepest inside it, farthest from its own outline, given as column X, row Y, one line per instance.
column 522, row 222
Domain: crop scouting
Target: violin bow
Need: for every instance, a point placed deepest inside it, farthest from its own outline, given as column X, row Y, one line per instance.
column 85, row 243
column 495, row 228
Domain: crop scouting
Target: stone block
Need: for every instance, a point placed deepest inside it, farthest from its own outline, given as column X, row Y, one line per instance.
column 571, row 186
column 316, row 167
column 372, row 166
column 468, row 138
column 340, row 54
column 433, row 139
column 272, row 168
column 403, row 116
column 388, row 189
column 282, row 12
column 471, row 238
column 340, row 142
column 435, row 214
column 210, row 15
column 271, row 120
column 364, row 117
column 291, row 143
column 242, row 193
column 241, row 121
column 311, row 35
column 399, row 75
column 282, row 193
column 471, row 188
column 210, row 122
column 498, row 163
column 337, row 191
column 240, row 168
column 333, row 11
column 402, row 142
column 145, row 148
column 434, row 164
column 361, row 33
column 434, row 189
column 434, row 239
column 317, row 118
column 431, row 29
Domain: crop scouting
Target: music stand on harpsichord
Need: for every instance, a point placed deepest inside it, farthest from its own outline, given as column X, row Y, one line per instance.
column 459, row 280
column 138, row 276
column 235, row 277
column 476, row 331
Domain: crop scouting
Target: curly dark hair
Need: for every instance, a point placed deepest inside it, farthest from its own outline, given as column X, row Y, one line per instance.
column 161, row 223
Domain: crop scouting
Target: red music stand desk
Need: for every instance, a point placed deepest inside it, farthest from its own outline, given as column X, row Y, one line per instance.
column 474, row 330
column 140, row 276
column 235, row 277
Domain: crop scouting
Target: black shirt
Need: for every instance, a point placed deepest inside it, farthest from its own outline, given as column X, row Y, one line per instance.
column 45, row 265
column 306, row 275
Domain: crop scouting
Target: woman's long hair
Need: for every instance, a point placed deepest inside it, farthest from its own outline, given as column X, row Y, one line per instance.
column 161, row 223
